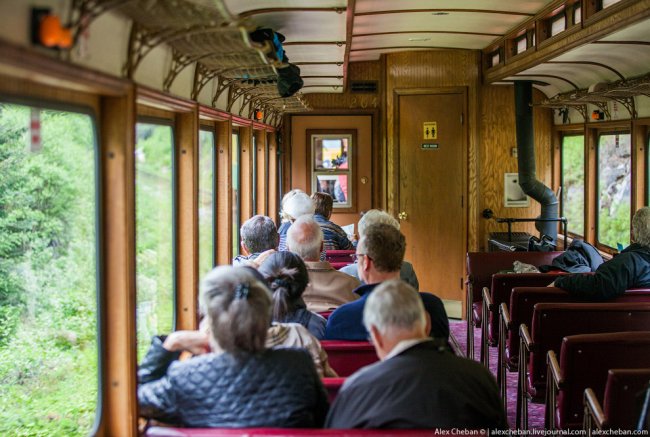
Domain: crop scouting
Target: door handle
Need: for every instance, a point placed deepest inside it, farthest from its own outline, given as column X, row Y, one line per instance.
column 402, row 215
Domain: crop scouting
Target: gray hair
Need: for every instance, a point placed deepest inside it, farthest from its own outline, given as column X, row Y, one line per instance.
column 373, row 217
column 298, row 205
column 288, row 195
column 394, row 304
column 641, row 226
column 258, row 234
column 305, row 238
column 238, row 307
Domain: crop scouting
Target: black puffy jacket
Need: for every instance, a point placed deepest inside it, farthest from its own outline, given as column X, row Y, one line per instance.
column 629, row 269
column 277, row 388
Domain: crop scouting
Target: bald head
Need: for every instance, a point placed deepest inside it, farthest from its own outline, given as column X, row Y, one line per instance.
column 305, row 238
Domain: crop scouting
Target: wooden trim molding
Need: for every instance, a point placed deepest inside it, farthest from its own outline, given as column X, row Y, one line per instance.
column 158, row 99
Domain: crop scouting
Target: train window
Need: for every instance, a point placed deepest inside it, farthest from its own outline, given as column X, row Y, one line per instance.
column 558, row 24
column 608, row 3
column 236, row 197
column 207, row 179
column 614, row 185
column 154, row 190
column 521, row 44
column 495, row 58
column 48, row 272
column 573, row 182
column 254, row 181
column 331, row 166
column 577, row 13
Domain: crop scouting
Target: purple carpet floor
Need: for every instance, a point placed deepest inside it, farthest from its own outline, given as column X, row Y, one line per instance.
column 535, row 411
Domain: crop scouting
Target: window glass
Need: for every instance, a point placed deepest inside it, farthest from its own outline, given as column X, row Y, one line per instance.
column 331, row 164
column 614, row 184
column 558, row 24
column 521, row 44
column 154, row 232
column 577, row 14
column 206, row 202
column 608, row 3
column 496, row 58
column 236, row 198
column 254, row 181
column 573, row 183
column 48, row 272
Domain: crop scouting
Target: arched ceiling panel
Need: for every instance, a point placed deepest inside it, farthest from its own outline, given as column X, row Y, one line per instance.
column 315, row 53
column 476, row 42
column 242, row 6
column 530, row 7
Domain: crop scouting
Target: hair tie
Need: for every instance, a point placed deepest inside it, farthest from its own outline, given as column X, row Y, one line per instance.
column 277, row 283
column 241, row 291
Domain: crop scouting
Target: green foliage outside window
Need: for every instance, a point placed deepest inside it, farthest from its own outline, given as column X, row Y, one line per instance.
column 573, row 182
column 614, row 186
column 48, row 296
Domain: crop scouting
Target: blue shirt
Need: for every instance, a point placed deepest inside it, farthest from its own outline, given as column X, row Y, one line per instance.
column 346, row 322
column 334, row 237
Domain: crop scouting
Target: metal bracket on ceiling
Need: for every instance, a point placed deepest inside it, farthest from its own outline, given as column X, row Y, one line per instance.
column 604, row 107
column 83, row 12
column 234, row 93
column 179, row 62
column 628, row 102
column 248, row 98
column 222, row 85
column 202, row 76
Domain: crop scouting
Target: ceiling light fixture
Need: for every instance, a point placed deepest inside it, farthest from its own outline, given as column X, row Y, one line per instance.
column 440, row 13
column 419, row 39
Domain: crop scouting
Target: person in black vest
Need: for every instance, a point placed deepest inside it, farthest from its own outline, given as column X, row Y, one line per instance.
column 419, row 383
column 629, row 269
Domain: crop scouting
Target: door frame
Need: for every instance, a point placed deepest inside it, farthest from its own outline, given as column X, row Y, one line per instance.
column 394, row 184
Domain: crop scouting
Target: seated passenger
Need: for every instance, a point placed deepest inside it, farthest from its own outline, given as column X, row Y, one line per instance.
column 286, row 275
column 334, row 237
column 232, row 388
column 294, row 335
column 629, row 269
column 372, row 217
column 379, row 256
column 419, row 383
column 258, row 236
column 327, row 288
column 295, row 203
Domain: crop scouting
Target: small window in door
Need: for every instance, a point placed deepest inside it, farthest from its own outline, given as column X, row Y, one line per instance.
column 331, row 166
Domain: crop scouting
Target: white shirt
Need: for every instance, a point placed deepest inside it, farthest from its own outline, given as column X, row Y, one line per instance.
column 404, row 345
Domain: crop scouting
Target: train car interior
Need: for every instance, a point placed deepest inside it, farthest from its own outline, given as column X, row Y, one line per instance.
column 137, row 136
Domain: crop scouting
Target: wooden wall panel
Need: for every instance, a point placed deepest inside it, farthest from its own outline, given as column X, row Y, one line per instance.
column 246, row 173
column 429, row 69
column 187, row 231
column 363, row 155
column 273, row 177
column 261, row 206
column 370, row 70
column 223, row 195
column 497, row 139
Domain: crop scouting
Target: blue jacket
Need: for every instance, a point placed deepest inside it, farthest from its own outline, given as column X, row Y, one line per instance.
column 629, row 269
column 346, row 322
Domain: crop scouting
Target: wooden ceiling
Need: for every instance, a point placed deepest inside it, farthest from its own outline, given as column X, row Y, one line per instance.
column 323, row 36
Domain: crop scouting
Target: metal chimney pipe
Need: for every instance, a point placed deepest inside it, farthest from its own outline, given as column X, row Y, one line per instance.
column 526, row 160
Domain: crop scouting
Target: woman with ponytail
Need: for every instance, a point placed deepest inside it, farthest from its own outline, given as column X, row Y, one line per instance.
column 287, row 277
column 230, row 382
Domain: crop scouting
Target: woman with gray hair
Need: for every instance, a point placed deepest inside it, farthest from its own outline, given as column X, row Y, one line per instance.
column 629, row 269
column 231, row 386
column 373, row 217
column 295, row 203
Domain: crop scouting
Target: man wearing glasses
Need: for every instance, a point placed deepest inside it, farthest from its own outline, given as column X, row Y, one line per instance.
column 380, row 253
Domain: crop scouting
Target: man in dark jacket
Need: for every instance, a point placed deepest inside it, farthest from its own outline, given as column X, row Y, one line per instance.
column 629, row 269
column 419, row 383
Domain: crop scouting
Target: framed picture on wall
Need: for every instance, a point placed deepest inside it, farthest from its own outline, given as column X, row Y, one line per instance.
column 513, row 195
column 331, row 164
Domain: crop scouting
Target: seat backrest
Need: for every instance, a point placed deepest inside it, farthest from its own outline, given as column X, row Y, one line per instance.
column 620, row 403
column 584, row 362
column 524, row 299
column 554, row 321
column 482, row 265
column 159, row 431
column 339, row 257
column 501, row 289
column 332, row 386
column 346, row 357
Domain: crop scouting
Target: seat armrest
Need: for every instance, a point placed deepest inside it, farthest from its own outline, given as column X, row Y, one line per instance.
column 593, row 408
column 505, row 316
column 526, row 339
column 487, row 299
column 554, row 369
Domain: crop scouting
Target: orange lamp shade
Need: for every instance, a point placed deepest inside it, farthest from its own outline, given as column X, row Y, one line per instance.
column 50, row 31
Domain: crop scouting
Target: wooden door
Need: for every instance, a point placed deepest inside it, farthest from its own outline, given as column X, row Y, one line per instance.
column 431, row 171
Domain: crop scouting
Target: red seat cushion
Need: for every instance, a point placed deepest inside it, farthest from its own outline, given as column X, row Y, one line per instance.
column 346, row 357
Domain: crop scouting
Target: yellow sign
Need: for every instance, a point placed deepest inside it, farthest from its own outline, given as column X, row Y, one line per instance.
column 430, row 130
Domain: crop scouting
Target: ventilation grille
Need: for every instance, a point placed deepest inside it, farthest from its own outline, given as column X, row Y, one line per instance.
column 363, row 86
